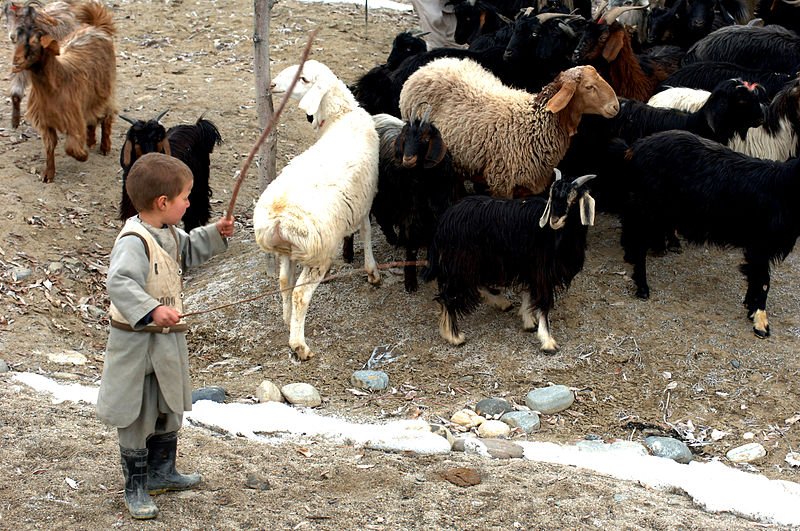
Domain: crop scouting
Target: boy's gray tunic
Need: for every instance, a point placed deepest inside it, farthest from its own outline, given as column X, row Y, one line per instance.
column 120, row 399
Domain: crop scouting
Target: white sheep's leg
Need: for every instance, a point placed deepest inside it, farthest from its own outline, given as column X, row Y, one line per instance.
column 370, row 266
column 543, row 333
column 495, row 299
column 448, row 326
column 529, row 322
column 286, row 282
column 307, row 283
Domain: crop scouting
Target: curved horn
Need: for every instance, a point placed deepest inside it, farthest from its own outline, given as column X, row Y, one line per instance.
column 544, row 17
column 566, row 29
column 426, row 118
column 129, row 120
column 615, row 12
column 160, row 116
column 525, row 12
column 558, row 174
column 600, row 9
column 583, row 179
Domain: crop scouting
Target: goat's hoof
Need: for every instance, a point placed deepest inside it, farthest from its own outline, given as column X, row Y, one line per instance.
column 549, row 350
column 374, row 278
column 530, row 329
column 47, row 178
column 643, row 293
column 14, row 121
column 761, row 334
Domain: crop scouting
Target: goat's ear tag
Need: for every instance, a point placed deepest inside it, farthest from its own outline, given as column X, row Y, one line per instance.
column 586, row 205
column 613, row 46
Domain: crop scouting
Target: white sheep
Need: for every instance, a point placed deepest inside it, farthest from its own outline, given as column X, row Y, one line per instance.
column 680, row 98
column 321, row 195
column 509, row 138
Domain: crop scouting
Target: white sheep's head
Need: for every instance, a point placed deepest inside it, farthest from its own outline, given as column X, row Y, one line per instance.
column 312, row 85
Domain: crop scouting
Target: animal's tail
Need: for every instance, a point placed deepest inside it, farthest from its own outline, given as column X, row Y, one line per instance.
column 96, row 14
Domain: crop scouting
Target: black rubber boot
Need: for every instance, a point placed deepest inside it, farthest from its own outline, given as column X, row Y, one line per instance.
column 134, row 468
column 161, row 473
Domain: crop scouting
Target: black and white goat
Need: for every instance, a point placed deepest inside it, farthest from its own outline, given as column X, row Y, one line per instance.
column 715, row 195
column 192, row 144
column 536, row 244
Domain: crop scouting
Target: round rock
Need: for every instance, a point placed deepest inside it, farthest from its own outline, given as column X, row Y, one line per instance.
column 301, row 394
column 549, row 400
column 747, row 453
column 213, row 393
column 669, row 448
column 467, row 418
column 372, row 380
column 494, row 428
column 527, row 421
column 4, row 366
column 493, row 408
column 268, row 392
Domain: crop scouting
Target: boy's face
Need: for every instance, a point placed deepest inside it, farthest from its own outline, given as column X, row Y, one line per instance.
column 176, row 207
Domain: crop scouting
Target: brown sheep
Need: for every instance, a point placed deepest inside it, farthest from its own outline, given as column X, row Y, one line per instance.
column 72, row 84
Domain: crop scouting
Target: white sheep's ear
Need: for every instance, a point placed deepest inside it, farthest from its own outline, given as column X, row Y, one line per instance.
column 586, row 206
column 313, row 98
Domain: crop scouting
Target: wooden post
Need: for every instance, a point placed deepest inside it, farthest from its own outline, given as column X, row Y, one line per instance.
column 264, row 105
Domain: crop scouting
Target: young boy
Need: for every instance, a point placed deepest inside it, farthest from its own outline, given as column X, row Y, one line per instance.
column 145, row 386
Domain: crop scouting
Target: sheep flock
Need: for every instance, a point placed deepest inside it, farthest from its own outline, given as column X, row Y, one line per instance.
column 487, row 175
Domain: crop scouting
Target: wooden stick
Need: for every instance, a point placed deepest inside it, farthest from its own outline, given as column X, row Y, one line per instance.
column 270, row 126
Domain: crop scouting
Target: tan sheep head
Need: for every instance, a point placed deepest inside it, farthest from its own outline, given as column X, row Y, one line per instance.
column 582, row 91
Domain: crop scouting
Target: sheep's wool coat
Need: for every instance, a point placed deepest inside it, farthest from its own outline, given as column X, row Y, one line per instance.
column 323, row 194
column 503, row 135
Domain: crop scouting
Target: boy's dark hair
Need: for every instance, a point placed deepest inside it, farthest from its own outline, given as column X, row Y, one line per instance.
column 154, row 175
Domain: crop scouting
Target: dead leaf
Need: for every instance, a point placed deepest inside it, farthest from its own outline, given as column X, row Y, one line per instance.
column 305, row 452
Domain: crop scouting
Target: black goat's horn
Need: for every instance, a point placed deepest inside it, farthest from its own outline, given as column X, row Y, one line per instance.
column 544, row 17
column 160, row 116
column 427, row 116
column 129, row 120
column 615, row 12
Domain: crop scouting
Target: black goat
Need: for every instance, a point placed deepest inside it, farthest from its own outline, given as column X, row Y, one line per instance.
column 732, row 108
column 769, row 47
column 684, row 22
column 537, row 244
column 191, row 144
column 705, row 75
column 416, row 184
column 482, row 17
column 711, row 194
column 370, row 89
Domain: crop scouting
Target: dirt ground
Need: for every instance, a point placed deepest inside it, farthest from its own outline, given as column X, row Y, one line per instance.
column 685, row 359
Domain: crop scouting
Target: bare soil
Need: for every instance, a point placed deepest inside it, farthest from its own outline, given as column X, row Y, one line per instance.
column 686, row 356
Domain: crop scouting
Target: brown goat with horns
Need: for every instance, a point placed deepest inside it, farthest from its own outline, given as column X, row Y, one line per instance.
column 72, row 83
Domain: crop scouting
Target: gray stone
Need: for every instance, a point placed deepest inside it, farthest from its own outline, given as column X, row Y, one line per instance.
column 20, row 273
column 301, row 394
column 371, row 380
column 213, row 393
column 55, row 267
column 497, row 448
column 257, row 482
column 549, row 400
column 493, row 408
column 4, row 366
column 527, row 421
column 669, row 448
column 69, row 357
column 268, row 392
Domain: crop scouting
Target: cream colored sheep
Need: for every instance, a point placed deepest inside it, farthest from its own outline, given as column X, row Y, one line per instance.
column 509, row 138
column 321, row 195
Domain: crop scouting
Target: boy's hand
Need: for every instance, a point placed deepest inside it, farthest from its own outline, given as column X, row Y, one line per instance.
column 225, row 227
column 165, row 316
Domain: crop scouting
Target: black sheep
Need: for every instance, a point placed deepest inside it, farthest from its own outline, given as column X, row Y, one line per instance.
column 192, row 144
column 536, row 244
column 715, row 195
column 768, row 47
column 706, row 75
